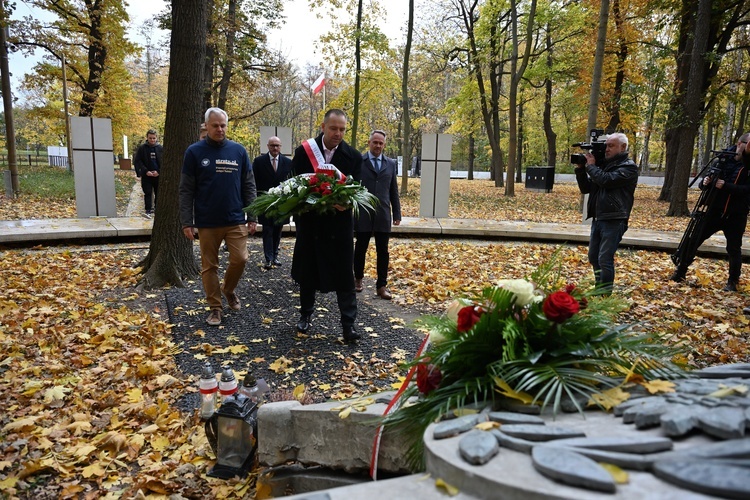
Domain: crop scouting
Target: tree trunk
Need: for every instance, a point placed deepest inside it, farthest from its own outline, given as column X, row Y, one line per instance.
column 596, row 77
column 405, row 115
column 357, row 71
column 549, row 133
column 208, row 59
column 678, row 203
column 519, row 154
column 470, row 174
column 170, row 257
column 228, row 66
column 97, row 60
column 622, row 55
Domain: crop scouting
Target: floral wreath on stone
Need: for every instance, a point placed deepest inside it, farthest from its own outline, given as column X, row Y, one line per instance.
column 317, row 192
column 520, row 340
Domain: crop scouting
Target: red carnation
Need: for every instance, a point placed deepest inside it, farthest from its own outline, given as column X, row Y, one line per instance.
column 314, row 180
column 570, row 287
column 468, row 317
column 560, row 306
column 428, row 377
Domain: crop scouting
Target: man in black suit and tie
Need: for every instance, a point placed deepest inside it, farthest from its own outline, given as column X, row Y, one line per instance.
column 379, row 176
column 271, row 170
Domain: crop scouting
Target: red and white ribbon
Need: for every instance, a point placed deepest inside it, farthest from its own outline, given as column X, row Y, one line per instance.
column 318, row 162
column 390, row 408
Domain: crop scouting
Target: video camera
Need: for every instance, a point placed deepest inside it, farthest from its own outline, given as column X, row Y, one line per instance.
column 597, row 147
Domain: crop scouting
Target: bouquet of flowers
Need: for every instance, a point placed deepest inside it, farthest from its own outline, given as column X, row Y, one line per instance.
column 317, row 192
column 520, row 340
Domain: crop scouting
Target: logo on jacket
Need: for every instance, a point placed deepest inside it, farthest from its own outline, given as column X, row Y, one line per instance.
column 205, row 162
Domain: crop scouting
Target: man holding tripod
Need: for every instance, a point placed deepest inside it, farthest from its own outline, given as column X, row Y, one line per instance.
column 727, row 212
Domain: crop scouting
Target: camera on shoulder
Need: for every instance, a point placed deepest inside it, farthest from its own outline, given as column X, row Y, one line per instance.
column 596, row 145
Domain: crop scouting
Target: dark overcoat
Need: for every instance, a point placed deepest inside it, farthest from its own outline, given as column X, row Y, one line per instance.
column 324, row 248
column 384, row 185
column 266, row 178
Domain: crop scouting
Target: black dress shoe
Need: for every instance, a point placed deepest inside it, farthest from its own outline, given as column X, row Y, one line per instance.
column 267, row 265
column 350, row 334
column 303, row 324
column 277, row 262
column 731, row 286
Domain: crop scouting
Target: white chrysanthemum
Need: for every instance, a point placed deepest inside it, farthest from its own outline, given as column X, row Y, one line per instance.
column 276, row 191
column 523, row 290
column 287, row 189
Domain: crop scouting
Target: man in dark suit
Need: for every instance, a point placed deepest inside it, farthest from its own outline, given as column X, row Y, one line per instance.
column 270, row 170
column 323, row 250
column 379, row 176
column 147, row 162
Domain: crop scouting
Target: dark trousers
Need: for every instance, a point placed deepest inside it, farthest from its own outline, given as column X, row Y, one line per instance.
column 150, row 187
column 383, row 257
column 605, row 238
column 733, row 226
column 271, row 238
column 347, row 301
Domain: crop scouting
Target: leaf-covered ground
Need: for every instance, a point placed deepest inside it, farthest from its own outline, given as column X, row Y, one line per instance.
column 91, row 385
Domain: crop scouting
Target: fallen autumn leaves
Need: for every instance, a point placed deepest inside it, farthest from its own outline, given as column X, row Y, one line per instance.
column 89, row 389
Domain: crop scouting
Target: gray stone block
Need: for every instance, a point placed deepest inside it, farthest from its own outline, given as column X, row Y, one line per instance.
column 630, row 461
column 513, row 443
column 572, row 468
column 650, row 415
column 478, row 447
column 540, row 432
column 622, row 444
column 450, row 428
column 724, row 423
column 706, row 477
column 508, row 417
column 680, row 420
column 276, row 439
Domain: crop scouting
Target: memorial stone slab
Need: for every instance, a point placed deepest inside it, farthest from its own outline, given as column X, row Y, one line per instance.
column 513, row 443
column 624, row 444
column 681, row 420
column 478, row 447
column 649, row 415
column 620, row 409
column 508, row 417
column 540, row 433
column 571, row 468
column 741, row 370
column 630, row 461
column 724, row 423
column 628, row 417
column 711, row 478
column 450, row 428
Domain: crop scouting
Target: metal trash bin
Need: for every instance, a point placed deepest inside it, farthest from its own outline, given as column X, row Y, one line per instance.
column 540, row 179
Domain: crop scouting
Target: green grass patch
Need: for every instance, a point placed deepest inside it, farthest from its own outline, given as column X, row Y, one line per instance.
column 59, row 184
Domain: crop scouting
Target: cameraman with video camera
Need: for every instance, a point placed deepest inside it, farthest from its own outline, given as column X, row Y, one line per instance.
column 611, row 188
column 727, row 212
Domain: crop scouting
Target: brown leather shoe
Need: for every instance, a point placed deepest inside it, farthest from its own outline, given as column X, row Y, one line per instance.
column 384, row 293
column 358, row 287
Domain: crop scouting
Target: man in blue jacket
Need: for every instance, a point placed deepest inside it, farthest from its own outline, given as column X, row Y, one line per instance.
column 611, row 190
column 379, row 176
column 217, row 182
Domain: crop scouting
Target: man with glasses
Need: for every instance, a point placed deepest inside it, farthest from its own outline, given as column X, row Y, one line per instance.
column 727, row 212
column 270, row 170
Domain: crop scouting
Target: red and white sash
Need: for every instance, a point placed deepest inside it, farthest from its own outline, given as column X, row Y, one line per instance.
column 315, row 155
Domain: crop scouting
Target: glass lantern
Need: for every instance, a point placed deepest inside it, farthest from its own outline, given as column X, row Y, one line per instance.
column 235, row 426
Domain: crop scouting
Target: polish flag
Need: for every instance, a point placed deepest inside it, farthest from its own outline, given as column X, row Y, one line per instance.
column 318, row 85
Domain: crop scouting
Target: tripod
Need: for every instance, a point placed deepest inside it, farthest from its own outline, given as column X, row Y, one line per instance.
column 688, row 247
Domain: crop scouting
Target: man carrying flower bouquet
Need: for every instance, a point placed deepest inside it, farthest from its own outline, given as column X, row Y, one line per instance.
column 611, row 189
column 324, row 246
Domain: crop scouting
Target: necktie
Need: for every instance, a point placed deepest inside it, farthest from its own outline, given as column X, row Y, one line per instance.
column 376, row 162
column 273, row 162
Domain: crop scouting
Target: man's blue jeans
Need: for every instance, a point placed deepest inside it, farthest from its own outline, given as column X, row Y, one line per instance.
column 605, row 238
